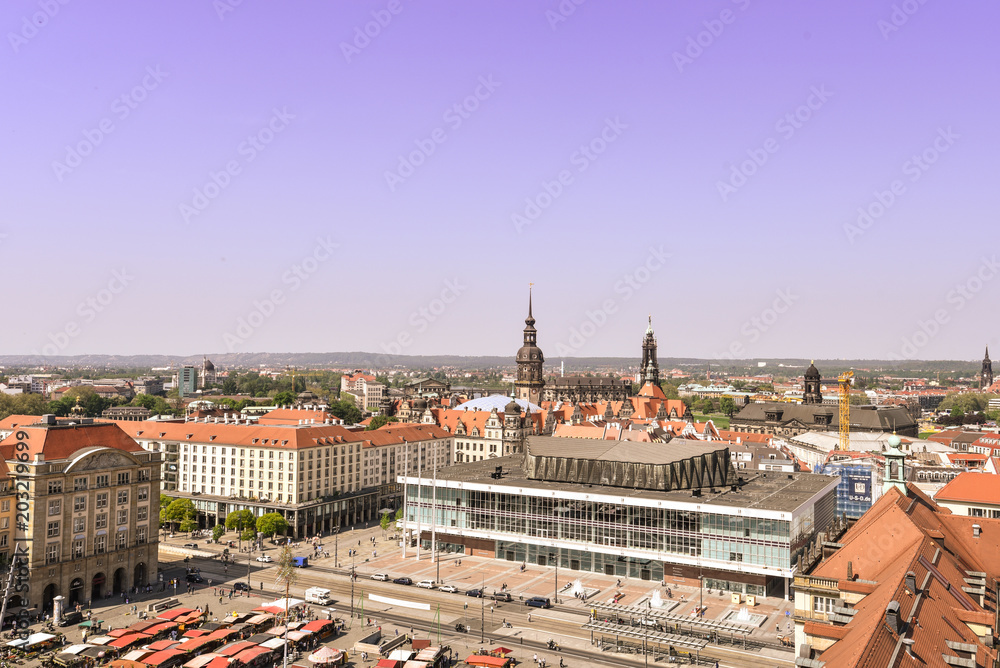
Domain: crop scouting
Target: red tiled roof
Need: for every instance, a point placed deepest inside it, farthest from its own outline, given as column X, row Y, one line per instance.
column 61, row 442
column 972, row 486
column 293, row 416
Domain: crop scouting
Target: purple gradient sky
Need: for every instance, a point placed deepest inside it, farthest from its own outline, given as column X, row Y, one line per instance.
column 656, row 184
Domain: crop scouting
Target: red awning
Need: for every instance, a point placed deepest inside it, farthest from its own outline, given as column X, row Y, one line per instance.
column 248, row 655
column 170, row 615
column 222, row 634
column 160, row 657
column 388, row 663
column 162, row 644
column 159, row 628
column 487, row 661
column 317, row 625
column 220, row 662
column 235, row 648
column 125, row 641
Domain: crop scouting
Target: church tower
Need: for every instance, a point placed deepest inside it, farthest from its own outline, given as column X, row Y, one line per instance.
column 650, row 371
column 987, row 373
column 895, row 466
column 812, row 394
column 529, row 362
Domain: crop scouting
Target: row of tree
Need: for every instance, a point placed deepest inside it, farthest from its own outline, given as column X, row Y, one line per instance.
column 182, row 515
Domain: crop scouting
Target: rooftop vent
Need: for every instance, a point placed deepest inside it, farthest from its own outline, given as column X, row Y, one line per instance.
column 976, row 530
column 892, row 616
column 911, row 581
column 908, row 646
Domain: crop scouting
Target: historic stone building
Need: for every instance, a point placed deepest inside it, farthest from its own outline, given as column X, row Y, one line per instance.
column 787, row 420
column 530, row 359
column 987, row 373
column 650, row 370
column 811, row 386
column 588, row 389
column 208, row 377
column 93, row 509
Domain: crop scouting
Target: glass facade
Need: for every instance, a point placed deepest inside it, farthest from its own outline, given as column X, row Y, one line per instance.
column 858, row 488
column 517, row 521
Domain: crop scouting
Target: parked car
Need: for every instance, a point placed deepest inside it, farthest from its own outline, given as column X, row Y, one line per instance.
column 403, row 581
column 264, row 559
column 451, row 589
column 241, row 586
column 538, row 602
column 502, row 596
column 478, row 593
column 384, row 577
column 195, row 577
column 195, row 545
column 71, row 618
column 426, row 584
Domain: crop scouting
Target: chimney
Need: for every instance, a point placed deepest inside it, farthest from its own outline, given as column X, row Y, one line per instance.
column 908, row 646
column 976, row 530
column 911, row 581
column 850, row 570
column 892, row 616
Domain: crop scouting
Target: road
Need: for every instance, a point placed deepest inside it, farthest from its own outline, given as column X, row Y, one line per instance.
column 560, row 623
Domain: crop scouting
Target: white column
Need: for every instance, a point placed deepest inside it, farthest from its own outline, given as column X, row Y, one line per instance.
column 406, row 475
column 419, row 498
column 434, row 554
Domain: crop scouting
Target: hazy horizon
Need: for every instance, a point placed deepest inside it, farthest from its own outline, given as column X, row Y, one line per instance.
column 767, row 181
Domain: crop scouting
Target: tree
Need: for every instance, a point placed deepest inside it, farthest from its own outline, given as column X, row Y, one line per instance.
column 165, row 501
column 242, row 520
column 217, row 532
column 399, row 514
column 385, row 523
column 346, row 411
column 287, row 575
column 189, row 524
column 727, row 406
column 249, row 534
column 285, row 398
column 270, row 524
column 179, row 510
column 379, row 421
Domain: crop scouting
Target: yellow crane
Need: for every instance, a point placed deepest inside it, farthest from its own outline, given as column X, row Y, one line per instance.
column 845, row 380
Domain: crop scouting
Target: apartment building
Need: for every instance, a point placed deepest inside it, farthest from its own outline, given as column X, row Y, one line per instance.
column 93, row 509
column 369, row 394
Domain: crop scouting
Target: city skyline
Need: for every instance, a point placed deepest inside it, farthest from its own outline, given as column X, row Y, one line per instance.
column 766, row 182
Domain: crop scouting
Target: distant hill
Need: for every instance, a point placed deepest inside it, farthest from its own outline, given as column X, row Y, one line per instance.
column 782, row 367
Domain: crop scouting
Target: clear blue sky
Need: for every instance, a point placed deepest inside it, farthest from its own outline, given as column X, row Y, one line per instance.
column 737, row 138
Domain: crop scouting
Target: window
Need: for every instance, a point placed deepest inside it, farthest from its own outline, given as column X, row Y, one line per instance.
column 143, row 493
column 143, row 475
column 140, row 535
column 100, row 544
column 123, row 478
column 121, row 539
column 79, row 504
column 142, row 514
column 78, row 549
column 79, row 524
column 79, row 484
column 103, row 480
column 55, row 507
column 102, row 500
column 53, row 529
column 52, row 553
column 122, row 517
column 5, row 506
column 101, row 521
column 822, row 604
column 4, row 522
column 55, row 487
column 122, row 497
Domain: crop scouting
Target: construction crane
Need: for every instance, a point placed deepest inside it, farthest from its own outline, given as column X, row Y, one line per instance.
column 845, row 380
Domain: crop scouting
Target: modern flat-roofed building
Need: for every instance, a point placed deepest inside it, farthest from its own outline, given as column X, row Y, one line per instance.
column 675, row 511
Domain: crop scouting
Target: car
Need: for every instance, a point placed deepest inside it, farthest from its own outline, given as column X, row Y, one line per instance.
column 194, row 545
column 477, row 593
column 196, row 578
column 426, row 584
column 502, row 596
column 538, row 602
column 451, row 589
column 241, row 586
column 384, row 577
column 403, row 581
column 71, row 618
column 264, row 559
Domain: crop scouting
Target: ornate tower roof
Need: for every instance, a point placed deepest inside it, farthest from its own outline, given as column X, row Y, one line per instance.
column 529, row 362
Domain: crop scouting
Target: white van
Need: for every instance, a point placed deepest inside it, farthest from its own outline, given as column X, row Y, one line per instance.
column 318, row 595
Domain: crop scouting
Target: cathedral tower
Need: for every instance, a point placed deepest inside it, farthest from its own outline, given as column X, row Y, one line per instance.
column 650, row 370
column 987, row 374
column 812, row 394
column 529, row 363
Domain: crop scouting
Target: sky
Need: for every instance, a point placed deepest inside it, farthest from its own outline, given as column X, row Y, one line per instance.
column 781, row 179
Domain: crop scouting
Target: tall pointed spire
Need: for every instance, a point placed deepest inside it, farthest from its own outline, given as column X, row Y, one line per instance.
column 530, row 320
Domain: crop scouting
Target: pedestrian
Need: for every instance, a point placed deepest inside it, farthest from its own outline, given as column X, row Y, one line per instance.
column 535, row 658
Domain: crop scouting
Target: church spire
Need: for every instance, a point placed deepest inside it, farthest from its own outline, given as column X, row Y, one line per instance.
column 530, row 320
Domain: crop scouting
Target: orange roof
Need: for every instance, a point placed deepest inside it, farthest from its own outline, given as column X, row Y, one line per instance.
column 294, row 416
column 60, row 442
column 652, row 391
column 972, row 486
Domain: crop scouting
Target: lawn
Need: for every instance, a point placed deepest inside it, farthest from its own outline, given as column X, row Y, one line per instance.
column 720, row 420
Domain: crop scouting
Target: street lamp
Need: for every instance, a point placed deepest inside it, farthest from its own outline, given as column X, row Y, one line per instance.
column 555, row 584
